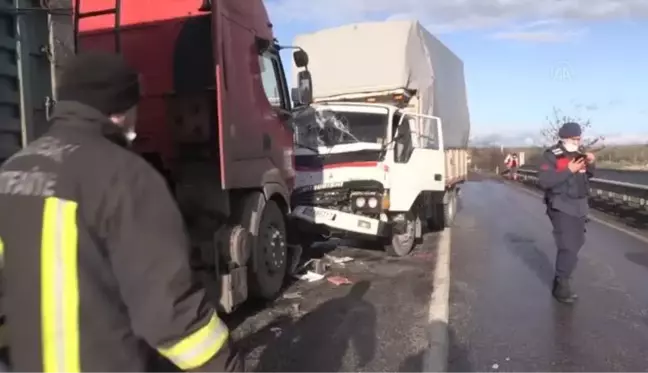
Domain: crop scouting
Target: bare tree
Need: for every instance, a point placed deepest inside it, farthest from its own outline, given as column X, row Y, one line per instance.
column 558, row 118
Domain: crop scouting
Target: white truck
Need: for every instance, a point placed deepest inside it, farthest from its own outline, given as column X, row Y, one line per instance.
column 383, row 150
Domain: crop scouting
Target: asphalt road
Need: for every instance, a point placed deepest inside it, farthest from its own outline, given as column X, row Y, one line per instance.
column 377, row 323
column 502, row 316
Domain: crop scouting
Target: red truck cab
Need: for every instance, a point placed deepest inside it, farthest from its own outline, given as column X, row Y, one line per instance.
column 215, row 118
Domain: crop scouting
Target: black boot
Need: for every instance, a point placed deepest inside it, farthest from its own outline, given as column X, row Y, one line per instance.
column 562, row 291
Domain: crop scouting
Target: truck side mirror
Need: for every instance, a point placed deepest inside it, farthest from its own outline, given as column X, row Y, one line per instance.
column 301, row 58
column 305, row 88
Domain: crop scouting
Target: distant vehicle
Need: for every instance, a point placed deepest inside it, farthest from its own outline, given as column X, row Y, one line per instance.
column 387, row 150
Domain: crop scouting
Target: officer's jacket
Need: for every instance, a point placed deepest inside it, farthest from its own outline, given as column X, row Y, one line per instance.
column 96, row 257
column 564, row 190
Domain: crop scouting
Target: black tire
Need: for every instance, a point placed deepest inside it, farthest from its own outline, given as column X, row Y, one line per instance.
column 450, row 210
column 399, row 246
column 444, row 214
column 267, row 275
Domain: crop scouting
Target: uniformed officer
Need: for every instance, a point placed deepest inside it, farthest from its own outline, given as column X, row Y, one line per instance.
column 564, row 176
column 96, row 257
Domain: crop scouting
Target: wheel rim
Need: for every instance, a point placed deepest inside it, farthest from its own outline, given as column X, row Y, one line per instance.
column 274, row 249
column 406, row 239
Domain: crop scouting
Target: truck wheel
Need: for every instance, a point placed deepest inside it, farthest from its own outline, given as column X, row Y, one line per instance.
column 270, row 254
column 450, row 210
column 403, row 243
column 444, row 214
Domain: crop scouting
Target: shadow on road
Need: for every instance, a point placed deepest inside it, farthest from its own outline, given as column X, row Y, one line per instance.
column 457, row 355
column 536, row 260
column 639, row 258
column 318, row 341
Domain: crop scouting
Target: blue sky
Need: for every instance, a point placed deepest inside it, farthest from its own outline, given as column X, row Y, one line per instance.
column 521, row 57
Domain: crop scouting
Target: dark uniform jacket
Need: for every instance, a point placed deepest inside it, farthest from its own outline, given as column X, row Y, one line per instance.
column 564, row 191
column 96, row 257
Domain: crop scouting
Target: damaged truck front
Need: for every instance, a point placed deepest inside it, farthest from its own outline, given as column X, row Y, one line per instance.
column 382, row 152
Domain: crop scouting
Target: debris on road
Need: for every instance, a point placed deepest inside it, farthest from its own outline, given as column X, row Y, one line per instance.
column 338, row 280
column 293, row 295
column 311, row 276
column 424, row 255
column 316, row 265
column 339, row 260
column 496, row 366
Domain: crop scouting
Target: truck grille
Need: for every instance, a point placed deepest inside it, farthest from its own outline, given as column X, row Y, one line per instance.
column 324, row 197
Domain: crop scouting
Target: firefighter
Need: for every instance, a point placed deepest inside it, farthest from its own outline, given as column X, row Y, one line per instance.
column 97, row 261
column 564, row 176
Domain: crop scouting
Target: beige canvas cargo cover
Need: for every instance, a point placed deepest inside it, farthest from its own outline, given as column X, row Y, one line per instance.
column 382, row 57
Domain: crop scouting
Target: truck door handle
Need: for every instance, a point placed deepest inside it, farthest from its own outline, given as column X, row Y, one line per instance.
column 267, row 142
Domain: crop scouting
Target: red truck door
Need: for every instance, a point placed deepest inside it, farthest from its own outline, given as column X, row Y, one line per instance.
column 254, row 104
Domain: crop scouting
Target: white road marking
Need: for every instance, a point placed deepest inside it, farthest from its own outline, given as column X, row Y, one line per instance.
column 436, row 358
column 599, row 220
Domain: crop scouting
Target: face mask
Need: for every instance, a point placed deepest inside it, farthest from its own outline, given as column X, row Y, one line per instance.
column 127, row 124
column 570, row 146
column 130, row 135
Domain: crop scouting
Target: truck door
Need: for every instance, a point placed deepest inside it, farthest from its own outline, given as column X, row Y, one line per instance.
column 254, row 103
column 417, row 163
column 25, row 77
column 278, row 115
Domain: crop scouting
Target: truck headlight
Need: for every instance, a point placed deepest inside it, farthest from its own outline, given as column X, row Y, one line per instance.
column 372, row 202
column 360, row 202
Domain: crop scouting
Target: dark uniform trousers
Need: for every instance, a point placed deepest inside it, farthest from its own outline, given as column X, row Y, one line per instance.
column 569, row 234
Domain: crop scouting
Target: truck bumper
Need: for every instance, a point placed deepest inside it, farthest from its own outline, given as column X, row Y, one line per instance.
column 342, row 221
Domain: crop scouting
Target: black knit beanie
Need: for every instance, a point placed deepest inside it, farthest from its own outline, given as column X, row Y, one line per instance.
column 570, row 129
column 101, row 80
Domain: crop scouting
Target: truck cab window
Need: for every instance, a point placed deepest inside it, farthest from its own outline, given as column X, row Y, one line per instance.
column 271, row 78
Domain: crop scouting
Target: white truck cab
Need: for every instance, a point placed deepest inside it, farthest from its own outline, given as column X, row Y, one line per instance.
column 362, row 169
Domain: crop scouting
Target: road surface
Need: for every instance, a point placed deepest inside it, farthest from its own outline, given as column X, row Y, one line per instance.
column 377, row 323
column 502, row 317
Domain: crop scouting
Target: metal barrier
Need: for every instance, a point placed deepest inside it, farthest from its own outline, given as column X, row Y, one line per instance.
column 618, row 192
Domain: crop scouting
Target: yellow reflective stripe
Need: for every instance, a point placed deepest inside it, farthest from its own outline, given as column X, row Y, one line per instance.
column 60, row 287
column 196, row 349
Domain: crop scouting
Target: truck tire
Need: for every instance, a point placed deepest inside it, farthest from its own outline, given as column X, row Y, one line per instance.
column 450, row 209
column 270, row 254
column 444, row 214
column 402, row 244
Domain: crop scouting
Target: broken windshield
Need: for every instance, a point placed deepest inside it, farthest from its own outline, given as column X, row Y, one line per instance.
column 323, row 126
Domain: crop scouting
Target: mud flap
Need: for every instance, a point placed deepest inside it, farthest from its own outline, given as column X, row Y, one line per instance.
column 234, row 289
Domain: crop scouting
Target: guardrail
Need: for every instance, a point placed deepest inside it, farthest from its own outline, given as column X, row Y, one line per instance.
column 604, row 190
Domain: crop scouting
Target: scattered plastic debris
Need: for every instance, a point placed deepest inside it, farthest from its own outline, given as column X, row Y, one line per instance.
column 495, row 366
column 424, row 256
column 316, row 265
column 508, row 359
column 338, row 280
column 293, row 295
column 276, row 331
column 311, row 276
column 338, row 259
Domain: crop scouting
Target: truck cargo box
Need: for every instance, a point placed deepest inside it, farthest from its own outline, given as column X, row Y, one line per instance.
column 378, row 58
